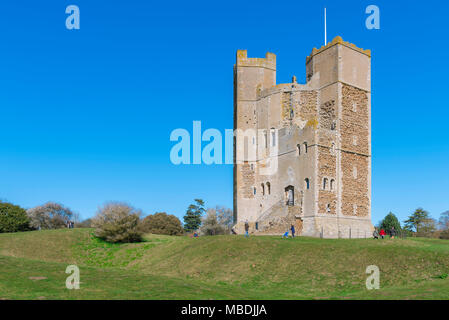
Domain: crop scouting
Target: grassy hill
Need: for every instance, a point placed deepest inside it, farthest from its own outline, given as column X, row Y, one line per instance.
column 32, row 266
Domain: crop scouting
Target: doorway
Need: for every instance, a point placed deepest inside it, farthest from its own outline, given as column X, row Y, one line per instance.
column 298, row 225
column 290, row 195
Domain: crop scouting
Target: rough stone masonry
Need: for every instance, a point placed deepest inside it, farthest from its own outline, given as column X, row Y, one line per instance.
column 322, row 134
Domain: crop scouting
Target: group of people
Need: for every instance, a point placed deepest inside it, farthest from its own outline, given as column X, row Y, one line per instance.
column 376, row 233
column 382, row 233
column 70, row 224
column 292, row 230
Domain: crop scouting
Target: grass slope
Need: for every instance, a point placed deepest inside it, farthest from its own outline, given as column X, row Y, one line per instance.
column 221, row 267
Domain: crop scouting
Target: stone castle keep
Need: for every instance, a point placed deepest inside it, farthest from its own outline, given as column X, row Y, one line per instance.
column 321, row 132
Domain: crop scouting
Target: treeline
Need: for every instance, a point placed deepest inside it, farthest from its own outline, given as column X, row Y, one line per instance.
column 117, row 221
column 51, row 215
column 418, row 224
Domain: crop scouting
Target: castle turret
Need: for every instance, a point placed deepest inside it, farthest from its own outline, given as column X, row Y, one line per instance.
column 341, row 71
column 250, row 76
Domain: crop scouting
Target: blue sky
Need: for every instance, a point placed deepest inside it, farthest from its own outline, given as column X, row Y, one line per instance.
column 86, row 115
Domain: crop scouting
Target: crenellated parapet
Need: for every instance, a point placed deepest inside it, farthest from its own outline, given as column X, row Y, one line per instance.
column 269, row 62
column 335, row 41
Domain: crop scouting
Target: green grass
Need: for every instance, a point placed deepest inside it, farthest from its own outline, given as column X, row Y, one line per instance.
column 220, row 267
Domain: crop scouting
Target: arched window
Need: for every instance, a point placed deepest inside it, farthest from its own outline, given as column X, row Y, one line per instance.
column 268, row 188
column 332, row 184
column 328, row 207
column 254, row 190
column 305, row 147
column 324, row 183
column 263, row 189
column 307, row 184
column 299, row 149
column 290, row 194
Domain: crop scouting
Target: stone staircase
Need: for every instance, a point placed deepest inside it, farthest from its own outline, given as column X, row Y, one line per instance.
column 277, row 219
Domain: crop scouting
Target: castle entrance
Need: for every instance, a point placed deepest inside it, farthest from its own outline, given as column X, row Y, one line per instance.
column 298, row 225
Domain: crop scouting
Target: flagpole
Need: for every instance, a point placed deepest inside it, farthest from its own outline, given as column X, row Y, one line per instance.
column 325, row 28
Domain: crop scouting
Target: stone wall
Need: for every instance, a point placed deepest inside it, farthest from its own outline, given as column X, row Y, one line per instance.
column 248, row 181
column 355, row 152
column 307, row 105
column 327, row 198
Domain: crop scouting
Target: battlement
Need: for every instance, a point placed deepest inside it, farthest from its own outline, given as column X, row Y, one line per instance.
column 269, row 62
column 283, row 87
column 335, row 41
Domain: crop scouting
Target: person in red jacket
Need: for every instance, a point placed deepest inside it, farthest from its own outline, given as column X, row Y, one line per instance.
column 382, row 233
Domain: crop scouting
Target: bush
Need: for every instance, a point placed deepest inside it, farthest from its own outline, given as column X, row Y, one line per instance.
column 118, row 222
column 84, row 224
column 13, row 218
column 444, row 234
column 162, row 223
column 49, row 216
column 211, row 226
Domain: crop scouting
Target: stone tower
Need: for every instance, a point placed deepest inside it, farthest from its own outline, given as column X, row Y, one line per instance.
column 321, row 136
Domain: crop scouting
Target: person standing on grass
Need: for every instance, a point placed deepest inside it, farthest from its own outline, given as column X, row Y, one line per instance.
column 246, row 228
column 382, row 233
column 392, row 232
column 375, row 234
column 292, row 228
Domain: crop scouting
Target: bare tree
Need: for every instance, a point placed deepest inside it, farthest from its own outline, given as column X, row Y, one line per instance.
column 225, row 218
column 218, row 220
column 444, row 221
column 210, row 225
column 51, row 215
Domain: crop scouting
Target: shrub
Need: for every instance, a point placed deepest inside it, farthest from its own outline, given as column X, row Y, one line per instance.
column 162, row 223
column 49, row 216
column 84, row 224
column 444, row 234
column 211, row 226
column 13, row 218
column 117, row 222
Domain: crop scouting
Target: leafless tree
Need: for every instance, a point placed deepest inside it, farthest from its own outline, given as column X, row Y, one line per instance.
column 218, row 220
column 51, row 215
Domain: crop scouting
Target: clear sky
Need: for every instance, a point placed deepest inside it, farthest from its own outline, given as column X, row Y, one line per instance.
column 86, row 115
